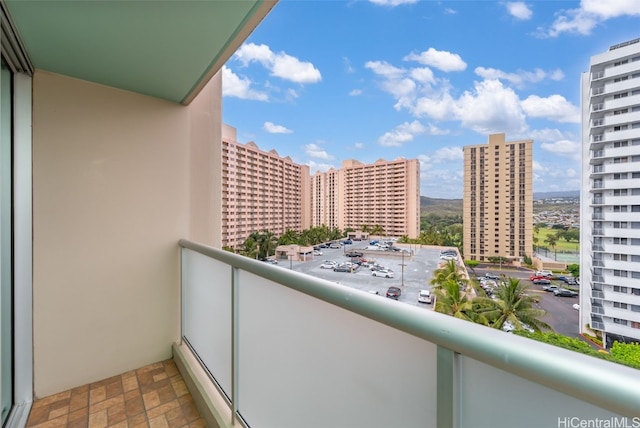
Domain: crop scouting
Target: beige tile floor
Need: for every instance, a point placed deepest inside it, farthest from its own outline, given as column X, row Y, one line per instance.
column 152, row 396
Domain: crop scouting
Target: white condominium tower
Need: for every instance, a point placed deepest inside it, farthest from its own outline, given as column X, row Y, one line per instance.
column 610, row 196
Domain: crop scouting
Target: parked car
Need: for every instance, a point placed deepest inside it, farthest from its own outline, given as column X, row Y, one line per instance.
column 335, row 246
column 571, row 281
column 317, row 252
column 424, row 296
column 271, row 261
column 394, row 293
column 563, row 292
column 347, row 242
column 323, row 246
column 546, row 273
column 354, row 254
column 576, row 306
column 343, row 268
column 542, row 281
column 491, row 276
column 383, row 272
column 550, row 287
column 328, row 264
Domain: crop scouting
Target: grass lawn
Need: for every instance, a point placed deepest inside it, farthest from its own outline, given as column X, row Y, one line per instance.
column 561, row 245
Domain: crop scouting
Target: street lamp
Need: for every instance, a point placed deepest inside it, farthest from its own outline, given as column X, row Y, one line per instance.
column 402, row 271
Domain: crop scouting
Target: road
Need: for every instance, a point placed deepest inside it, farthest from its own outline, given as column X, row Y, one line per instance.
column 560, row 314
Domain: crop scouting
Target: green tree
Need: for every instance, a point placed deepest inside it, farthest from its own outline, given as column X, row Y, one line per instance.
column 472, row 264
column 451, row 301
column 289, row 237
column 552, row 240
column 574, row 269
column 450, row 271
column 377, row 230
column 512, row 304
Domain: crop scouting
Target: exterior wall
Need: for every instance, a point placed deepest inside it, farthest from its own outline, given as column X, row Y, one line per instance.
column 498, row 199
column 385, row 193
column 610, row 199
column 111, row 198
column 260, row 191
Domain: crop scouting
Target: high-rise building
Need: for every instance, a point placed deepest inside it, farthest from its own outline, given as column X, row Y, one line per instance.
column 260, row 191
column 610, row 196
column 385, row 193
column 498, row 199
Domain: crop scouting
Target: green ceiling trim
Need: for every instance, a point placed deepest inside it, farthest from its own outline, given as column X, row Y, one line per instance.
column 158, row 48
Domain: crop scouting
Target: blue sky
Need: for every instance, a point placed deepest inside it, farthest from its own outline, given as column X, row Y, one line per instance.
column 324, row 81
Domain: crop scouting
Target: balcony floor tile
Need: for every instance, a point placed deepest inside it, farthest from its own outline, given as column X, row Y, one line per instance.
column 152, row 396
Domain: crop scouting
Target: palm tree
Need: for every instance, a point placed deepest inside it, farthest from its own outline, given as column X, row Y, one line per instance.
column 451, row 271
column 290, row 236
column 268, row 242
column 512, row 305
column 552, row 240
column 450, row 300
column 377, row 230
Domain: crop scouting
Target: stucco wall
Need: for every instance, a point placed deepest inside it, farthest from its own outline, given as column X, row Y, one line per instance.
column 111, row 198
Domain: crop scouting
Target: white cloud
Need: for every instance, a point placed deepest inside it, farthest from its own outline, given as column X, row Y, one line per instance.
column 383, row 68
column 280, row 64
column 547, row 135
column 442, row 60
column 519, row 10
column 441, row 173
column 355, row 92
column 449, row 11
column 348, row 68
column 520, row 77
column 315, row 167
column 555, row 107
column 358, row 146
column 239, row 87
column 491, row 108
column 423, row 75
column 401, row 134
column 272, row 128
column 315, row 151
column 392, row 3
column 590, row 13
column 434, row 130
column 567, row 148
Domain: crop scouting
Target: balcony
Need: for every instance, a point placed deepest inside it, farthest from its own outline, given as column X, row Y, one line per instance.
column 271, row 333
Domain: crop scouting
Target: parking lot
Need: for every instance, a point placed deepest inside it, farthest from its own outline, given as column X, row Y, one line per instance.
column 419, row 265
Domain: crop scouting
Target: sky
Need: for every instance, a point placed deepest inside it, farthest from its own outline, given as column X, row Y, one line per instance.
column 328, row 80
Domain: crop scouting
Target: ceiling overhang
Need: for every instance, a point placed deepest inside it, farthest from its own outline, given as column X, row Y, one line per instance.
column 164, row 49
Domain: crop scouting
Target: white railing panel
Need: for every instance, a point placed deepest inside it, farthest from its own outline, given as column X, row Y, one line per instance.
column 491, row 397
column 306, row 362
column 206, row 302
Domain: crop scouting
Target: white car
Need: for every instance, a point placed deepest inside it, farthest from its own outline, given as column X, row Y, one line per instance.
column 546, row 273
column 424, row 296
column 576, row 306
column 317, row 252
column 328, row 264
column 384, row 273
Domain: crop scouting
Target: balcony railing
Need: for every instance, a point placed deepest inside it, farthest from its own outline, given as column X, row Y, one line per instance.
column 285, row 349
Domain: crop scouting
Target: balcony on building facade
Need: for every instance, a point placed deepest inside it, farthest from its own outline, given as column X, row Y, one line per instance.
column 331, row 341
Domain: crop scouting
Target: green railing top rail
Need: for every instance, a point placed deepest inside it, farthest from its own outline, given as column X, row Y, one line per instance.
column 608, row 385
